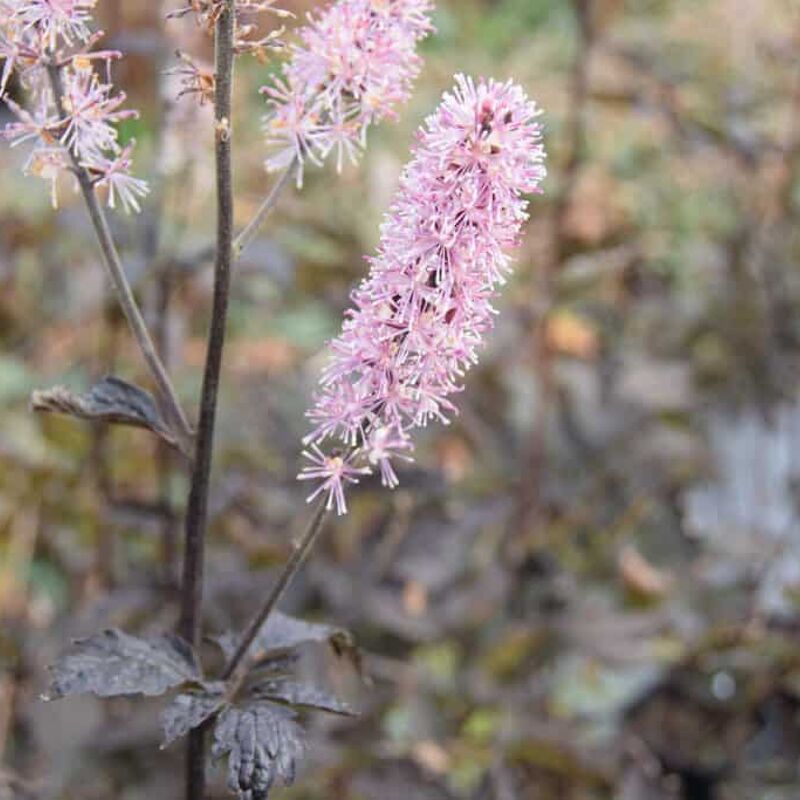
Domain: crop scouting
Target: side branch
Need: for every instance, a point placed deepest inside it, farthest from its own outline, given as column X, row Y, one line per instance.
column 248, row 233
column 296, row 560
column 246, row 236
column 166, row 391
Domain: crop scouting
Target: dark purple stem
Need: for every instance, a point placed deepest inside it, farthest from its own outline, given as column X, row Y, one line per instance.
column 196, row 513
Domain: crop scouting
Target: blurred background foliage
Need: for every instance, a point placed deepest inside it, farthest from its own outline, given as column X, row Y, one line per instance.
column 588, row 585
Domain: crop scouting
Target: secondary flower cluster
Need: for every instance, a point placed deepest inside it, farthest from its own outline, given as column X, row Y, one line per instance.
column 422, row 313
column 71, row 121
column 355, row 63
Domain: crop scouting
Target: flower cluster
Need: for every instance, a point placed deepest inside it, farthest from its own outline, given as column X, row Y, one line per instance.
column 421, row 314
column 73, row 110
column 354, row 64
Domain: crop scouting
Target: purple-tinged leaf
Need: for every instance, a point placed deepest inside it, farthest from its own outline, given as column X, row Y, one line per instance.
column 282, row 632
column 262, row 742
column 191, row 709
column 112, row 400
column 114, row 663
column 286, row 690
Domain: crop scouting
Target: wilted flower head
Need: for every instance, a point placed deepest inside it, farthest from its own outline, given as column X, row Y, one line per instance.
column 421, row 315
column 196, row 79
column 79, row 126
column 355, row 63
column 207, row 12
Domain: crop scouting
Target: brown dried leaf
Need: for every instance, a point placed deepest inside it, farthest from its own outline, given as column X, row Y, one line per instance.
column 640, row 576
column 111, row 400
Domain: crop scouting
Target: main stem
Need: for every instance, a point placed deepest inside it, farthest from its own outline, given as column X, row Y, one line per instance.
column 196, row 513
column 166, row 391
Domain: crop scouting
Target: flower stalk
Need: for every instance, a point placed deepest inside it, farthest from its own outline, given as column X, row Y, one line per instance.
column 300, row 553
column 245, row 237
column 130, row 308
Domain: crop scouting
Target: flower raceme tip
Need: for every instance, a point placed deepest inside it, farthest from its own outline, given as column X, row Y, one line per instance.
column 421, row 315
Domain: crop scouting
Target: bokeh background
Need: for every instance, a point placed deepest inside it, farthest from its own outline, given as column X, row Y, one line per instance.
column 588, row 586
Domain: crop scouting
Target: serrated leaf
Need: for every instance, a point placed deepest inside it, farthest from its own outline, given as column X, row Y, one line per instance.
column 282, row 632
column 190, row 710
column 286, row 690
column 114, row 663
column 263, row 744
column 111, row 400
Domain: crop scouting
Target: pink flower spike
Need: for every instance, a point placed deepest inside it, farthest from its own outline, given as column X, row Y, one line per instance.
column 421, row 315
column 334, row 471
column 356, row 62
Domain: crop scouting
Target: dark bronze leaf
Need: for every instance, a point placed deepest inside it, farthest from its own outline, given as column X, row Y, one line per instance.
column 286, row 690
column 190, row 709
column 282, row 632
column 114, row 663
column 111, row 400
column 263, row 744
